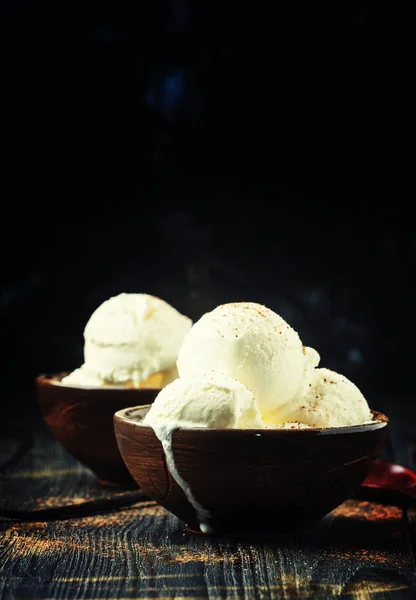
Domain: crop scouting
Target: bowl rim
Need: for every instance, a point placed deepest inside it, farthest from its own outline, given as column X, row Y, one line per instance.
column 380, row 421
column 44, row 379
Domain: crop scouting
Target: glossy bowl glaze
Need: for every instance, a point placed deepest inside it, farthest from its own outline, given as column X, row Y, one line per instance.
column 251, row 481
column 81, row 420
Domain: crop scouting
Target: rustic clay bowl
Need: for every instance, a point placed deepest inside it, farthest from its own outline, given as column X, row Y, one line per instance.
column 251, row 481
column 81, row 419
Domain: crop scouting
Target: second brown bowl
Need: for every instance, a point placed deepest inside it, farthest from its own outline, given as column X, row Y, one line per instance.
column 251, row 480
column 81, row 420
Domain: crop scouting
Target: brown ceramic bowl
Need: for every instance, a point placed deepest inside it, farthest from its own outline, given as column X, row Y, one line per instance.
column 81, row 419
column 251, row 481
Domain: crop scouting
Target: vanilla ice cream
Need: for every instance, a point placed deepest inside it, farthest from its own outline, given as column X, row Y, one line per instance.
column 331, row 400
column 256, row 346
column 132, row 340
column 206, row 399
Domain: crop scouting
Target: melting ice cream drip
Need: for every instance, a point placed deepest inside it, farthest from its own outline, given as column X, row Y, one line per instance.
column 165, row 437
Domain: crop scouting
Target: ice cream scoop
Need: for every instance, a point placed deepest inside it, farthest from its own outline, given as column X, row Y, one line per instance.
column 205, row 400
column 331, row 400
column 256, row 346
column 128, row 339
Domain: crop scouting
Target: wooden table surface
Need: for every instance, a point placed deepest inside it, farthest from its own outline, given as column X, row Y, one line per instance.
column 63, row 535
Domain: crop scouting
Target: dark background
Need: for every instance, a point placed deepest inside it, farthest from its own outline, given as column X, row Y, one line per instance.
column 209, row 152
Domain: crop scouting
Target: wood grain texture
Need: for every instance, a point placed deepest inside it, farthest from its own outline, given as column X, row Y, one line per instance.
column 46, row 475
column 361, row 551
column 143, row 552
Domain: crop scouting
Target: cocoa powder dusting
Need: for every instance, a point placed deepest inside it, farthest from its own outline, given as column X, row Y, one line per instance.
column 184, row 556
column 35, row 545
column 363, row 555
column 368, row 511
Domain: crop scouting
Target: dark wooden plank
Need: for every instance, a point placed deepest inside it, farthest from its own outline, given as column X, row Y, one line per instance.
column 40, row 475
column 143, row 552
column 362, row 550
column 411, row 520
